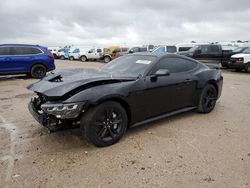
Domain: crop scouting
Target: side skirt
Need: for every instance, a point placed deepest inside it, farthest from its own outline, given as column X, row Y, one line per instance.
column 163, row 116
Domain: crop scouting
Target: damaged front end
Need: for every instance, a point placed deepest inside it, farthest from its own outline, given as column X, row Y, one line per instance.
column 54, row 114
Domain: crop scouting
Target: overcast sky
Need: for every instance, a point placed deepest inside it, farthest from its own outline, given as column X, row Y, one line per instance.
column 123, row 22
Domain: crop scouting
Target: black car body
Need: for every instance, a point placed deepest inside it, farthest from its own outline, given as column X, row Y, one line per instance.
column 147, row 86
column 209, row 53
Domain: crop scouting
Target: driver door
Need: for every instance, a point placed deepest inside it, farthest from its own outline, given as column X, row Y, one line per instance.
column 168, row 93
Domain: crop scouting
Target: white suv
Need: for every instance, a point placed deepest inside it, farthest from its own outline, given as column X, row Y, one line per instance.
column 92, row 54
column 241, row 61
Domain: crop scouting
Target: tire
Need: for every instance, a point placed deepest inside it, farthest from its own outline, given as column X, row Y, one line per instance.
column 62, row 57
column 105, row 124
column 55, row 56
column 107, row 59
column 83, row 58
column 38, row 71
column 247, row 68
column 208, row 99
column 71, row 58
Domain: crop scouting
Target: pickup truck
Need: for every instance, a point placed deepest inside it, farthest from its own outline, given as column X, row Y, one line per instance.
column 110, row 55
column 92, row 54
column 209, row 53
column 241, row 61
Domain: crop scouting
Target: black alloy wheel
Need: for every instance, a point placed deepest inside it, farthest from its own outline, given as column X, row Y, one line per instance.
column 105, row 124
column 38, row 71
column 208, row 99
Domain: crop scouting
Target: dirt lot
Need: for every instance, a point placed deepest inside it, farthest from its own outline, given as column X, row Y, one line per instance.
column 188, row 150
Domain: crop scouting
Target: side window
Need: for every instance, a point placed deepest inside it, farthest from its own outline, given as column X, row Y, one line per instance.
column 91, row 50
column 117, row 50
column 175, row 65
column 124, row 49
column 99, row 50
column 34, row 51
column 136, row 49
column 214, row 49
column 5, row 51
column 25, row 51
column 143, row 49
column 171, row 49
column 204, row 49
column 182, row 49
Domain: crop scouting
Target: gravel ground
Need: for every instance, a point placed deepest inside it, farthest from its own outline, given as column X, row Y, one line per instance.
column 187, row 150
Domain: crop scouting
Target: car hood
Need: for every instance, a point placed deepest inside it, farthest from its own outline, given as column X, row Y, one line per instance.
column 59, row 83
column 240, row 55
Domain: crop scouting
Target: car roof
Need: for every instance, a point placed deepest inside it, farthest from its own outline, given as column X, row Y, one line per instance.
column 28, row 45
column 163, row 55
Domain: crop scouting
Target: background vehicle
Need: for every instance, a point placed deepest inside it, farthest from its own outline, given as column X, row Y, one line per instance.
column 117, row 52
column 54, row 51
column 63, row 53
column 241, row 61
column 129, row 91
column 92, row 54
column 165, row 49
column 209, row 53
column 137, row 49
column 33, row 60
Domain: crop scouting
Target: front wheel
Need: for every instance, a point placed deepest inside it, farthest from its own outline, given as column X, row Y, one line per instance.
column 248, row 68
column 83, row 58
column 107, row 59
column 71, row 58
column 105, row 124
column 208, row 99
column 62, row 57
column 38, row 71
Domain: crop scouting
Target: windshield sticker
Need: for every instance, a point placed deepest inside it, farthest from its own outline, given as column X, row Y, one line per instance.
column 146, row 62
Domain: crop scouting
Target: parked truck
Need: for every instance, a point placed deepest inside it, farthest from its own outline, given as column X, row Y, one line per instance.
column 209, row 53
column 92, row 54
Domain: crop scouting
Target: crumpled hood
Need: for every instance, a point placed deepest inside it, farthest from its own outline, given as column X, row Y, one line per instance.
column 59, row 83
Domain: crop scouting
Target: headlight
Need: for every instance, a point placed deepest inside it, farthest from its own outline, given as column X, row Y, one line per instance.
column 63, row 111
column 240, row 59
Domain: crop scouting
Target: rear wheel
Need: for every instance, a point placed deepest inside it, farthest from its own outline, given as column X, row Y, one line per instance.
column 208, row 99
column 83, row 58
column 62, row 57
column 38, row 71
column 105, row 124
column 71, row 58
column 107, row 59
column 247, row 68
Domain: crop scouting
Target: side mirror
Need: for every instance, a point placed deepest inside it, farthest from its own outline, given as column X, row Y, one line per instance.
column 162, row 72
column 159, row 73
column 89, row 52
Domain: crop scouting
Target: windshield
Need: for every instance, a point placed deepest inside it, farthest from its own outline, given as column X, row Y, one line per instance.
column 160, row 49
column 246, row 51
column 129, row 65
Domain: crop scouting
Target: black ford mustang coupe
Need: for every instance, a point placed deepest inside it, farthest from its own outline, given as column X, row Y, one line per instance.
column 129, row 91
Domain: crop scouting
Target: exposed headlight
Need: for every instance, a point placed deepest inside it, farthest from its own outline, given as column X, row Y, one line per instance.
column 63, row 111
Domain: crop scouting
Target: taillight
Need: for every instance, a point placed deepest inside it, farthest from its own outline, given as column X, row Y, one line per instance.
column 51, row 55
